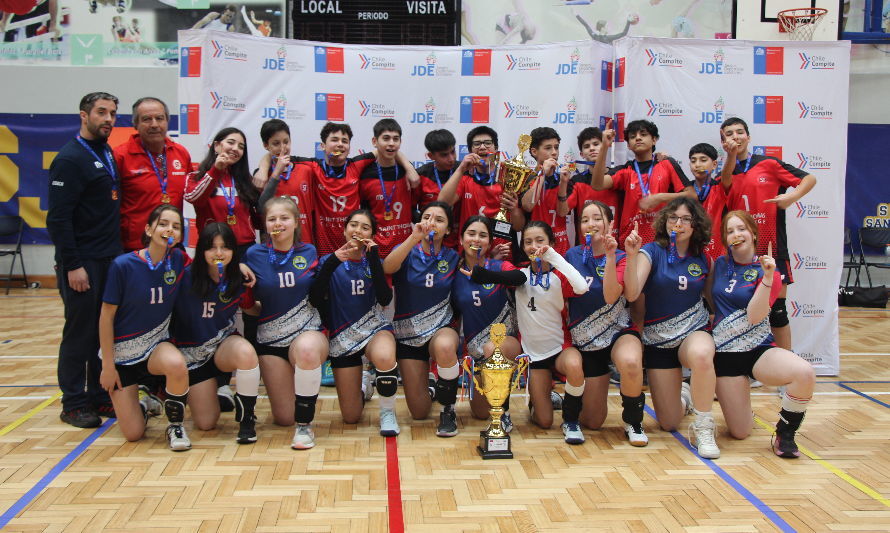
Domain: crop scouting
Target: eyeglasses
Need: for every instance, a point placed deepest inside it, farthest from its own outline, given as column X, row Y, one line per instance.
column 685, row 220
column 487, row 143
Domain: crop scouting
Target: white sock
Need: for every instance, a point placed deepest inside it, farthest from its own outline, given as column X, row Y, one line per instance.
column 450, row 372
column 794, row 404
column 575, row 390
column 307, row 382
column 249, row 382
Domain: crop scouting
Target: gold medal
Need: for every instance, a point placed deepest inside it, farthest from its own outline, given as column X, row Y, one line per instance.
column 231, row 220
column 165, row 198
column 387, row 215
column 114, row 194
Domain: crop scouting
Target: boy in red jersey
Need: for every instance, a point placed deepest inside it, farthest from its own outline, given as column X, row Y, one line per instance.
column 549, row 198
column 703, row 162
column 279, row 176
column 475, row 185
column 590, row 141
column 386, row 187
column 440, row 149
column 758, row 184
column 647, row 183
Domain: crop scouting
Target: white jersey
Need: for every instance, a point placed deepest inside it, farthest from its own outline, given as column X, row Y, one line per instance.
column 539, row 310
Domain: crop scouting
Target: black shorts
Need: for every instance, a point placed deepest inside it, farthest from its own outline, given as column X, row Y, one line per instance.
column 417, row 353
column 347, row 361
column 545, row 364
column 133, row 374
column 277, row 351
column 730, row 364
column 208, row 370
column 596, row 362
column 784, row 268
column 661, row 358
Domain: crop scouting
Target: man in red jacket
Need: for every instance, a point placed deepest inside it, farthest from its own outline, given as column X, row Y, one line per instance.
column 152, row 169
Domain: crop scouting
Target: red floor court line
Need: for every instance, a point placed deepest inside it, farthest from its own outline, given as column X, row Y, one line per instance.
column 394, row 487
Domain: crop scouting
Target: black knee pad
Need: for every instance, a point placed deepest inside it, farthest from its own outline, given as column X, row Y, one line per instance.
column 778, row 315
column 304, row 409
column 387, row 383
column 632, row 412
column 446, row 391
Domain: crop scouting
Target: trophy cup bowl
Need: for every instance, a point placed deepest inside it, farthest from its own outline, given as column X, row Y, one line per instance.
column 513, row 176
column 499, row 377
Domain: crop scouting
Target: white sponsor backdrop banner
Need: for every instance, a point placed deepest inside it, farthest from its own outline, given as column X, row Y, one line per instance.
column 793, row 95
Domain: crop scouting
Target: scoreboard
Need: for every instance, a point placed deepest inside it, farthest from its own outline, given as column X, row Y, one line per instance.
column 402, row 22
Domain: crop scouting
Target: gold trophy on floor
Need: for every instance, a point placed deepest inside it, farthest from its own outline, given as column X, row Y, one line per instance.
column 513, row 175
column 499, row 377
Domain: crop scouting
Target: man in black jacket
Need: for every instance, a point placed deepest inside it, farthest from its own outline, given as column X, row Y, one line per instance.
column 84, row 224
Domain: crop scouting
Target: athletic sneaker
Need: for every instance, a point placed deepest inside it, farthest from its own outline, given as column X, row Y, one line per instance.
column 178, row 439
column 81, row 418
column 150, row 403
column 556, row 400
column 506, row 422
column 389, row 424
column 304, row 437
column 755, row 384
column 572, row 432
column 686, row 398
column 702, row 437
column 105, row 410
column 367, row 384
column 447, row 422
column 636, row 435
column 614, row 375
column 327, row 374
column 247, row 430
column 226, row 399
column 784, row 445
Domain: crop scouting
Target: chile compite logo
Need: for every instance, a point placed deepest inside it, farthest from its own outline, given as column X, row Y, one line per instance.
column 227, row 51
column 808, row 262
column 812, row 162
column 225, row 103
column 805, row 310
column 662, row 109
column 520, row 111
column 375, row 63
column 814, row 111
column 810, row 210
column 522, row 63
column 662, row 59
column 376, row 110
column 815, row 62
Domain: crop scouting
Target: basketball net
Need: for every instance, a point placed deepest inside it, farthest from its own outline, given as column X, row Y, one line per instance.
column 800, row 23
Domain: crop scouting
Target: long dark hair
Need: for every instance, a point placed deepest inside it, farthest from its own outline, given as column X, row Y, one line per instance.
column 202, row 284
column 240, row 171
column 365, row 212
column 522, row 257
column 701, row 224
column 156, row 214
column 449, row 212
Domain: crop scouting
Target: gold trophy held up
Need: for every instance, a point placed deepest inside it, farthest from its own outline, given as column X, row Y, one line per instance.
column 513, row 175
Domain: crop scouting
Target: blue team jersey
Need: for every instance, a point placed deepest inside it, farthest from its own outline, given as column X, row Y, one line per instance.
column 355, row 315
column 731, row 294
column 144, row 300
column 480, row 306
column 423, row 295
column 283, row 291
column 593, row 323
column 674, row 306
column 201, row 324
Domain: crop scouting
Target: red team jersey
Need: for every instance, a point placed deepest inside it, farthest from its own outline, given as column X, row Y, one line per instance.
column 390, row 233
column 140, row 186
column 714, row 204
column 765, row 178
column 667, row 176
column 205, row 192
column 545, row 211
column 298, row 187
column 585, row 194
column 336, row 195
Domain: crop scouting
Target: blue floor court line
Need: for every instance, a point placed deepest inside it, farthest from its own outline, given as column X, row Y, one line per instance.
column 60, row 467
column 842, row 384
column 724, row 475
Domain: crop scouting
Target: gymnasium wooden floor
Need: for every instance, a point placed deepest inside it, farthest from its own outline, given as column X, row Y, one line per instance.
column 57, row 478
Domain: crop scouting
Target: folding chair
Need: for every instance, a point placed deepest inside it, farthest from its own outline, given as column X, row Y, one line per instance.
column 875, row 238
column 13, row 225
column 851, row 263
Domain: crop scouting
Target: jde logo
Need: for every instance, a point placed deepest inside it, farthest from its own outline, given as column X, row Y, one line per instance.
column 329, row 106
column 809, row 262
column 606, row 76
column 808, row 62
column 768, row 109
column 567, row 117
column 475, row 63
column 429, row 69
column 806, row 310
column 329, row 59
column 715, row 116
column 563, row 69
column 662, row 59
column 768, row 151
column 663, row 109
column 812, row 162
column 769, row 60
column 814, row 111
column 810, row 210
column 474, row 109
column 276, row 63
column 280, row 110
column 428, row 114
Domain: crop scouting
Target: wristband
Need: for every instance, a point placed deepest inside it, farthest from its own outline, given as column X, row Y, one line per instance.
column 562, row 198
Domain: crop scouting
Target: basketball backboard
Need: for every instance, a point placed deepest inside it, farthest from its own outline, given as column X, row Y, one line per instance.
column 756, row 19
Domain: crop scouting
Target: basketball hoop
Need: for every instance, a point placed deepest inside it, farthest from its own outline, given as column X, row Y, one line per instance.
column 800, row 23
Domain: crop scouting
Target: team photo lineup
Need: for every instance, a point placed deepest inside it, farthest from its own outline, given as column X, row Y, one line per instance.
column 380, row 273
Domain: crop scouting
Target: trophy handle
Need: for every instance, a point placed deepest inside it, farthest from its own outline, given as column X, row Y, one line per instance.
column 469, row 367
column 521, row 367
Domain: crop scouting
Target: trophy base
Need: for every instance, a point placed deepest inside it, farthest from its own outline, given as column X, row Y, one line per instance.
column 494, row 447
column 503, row 230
